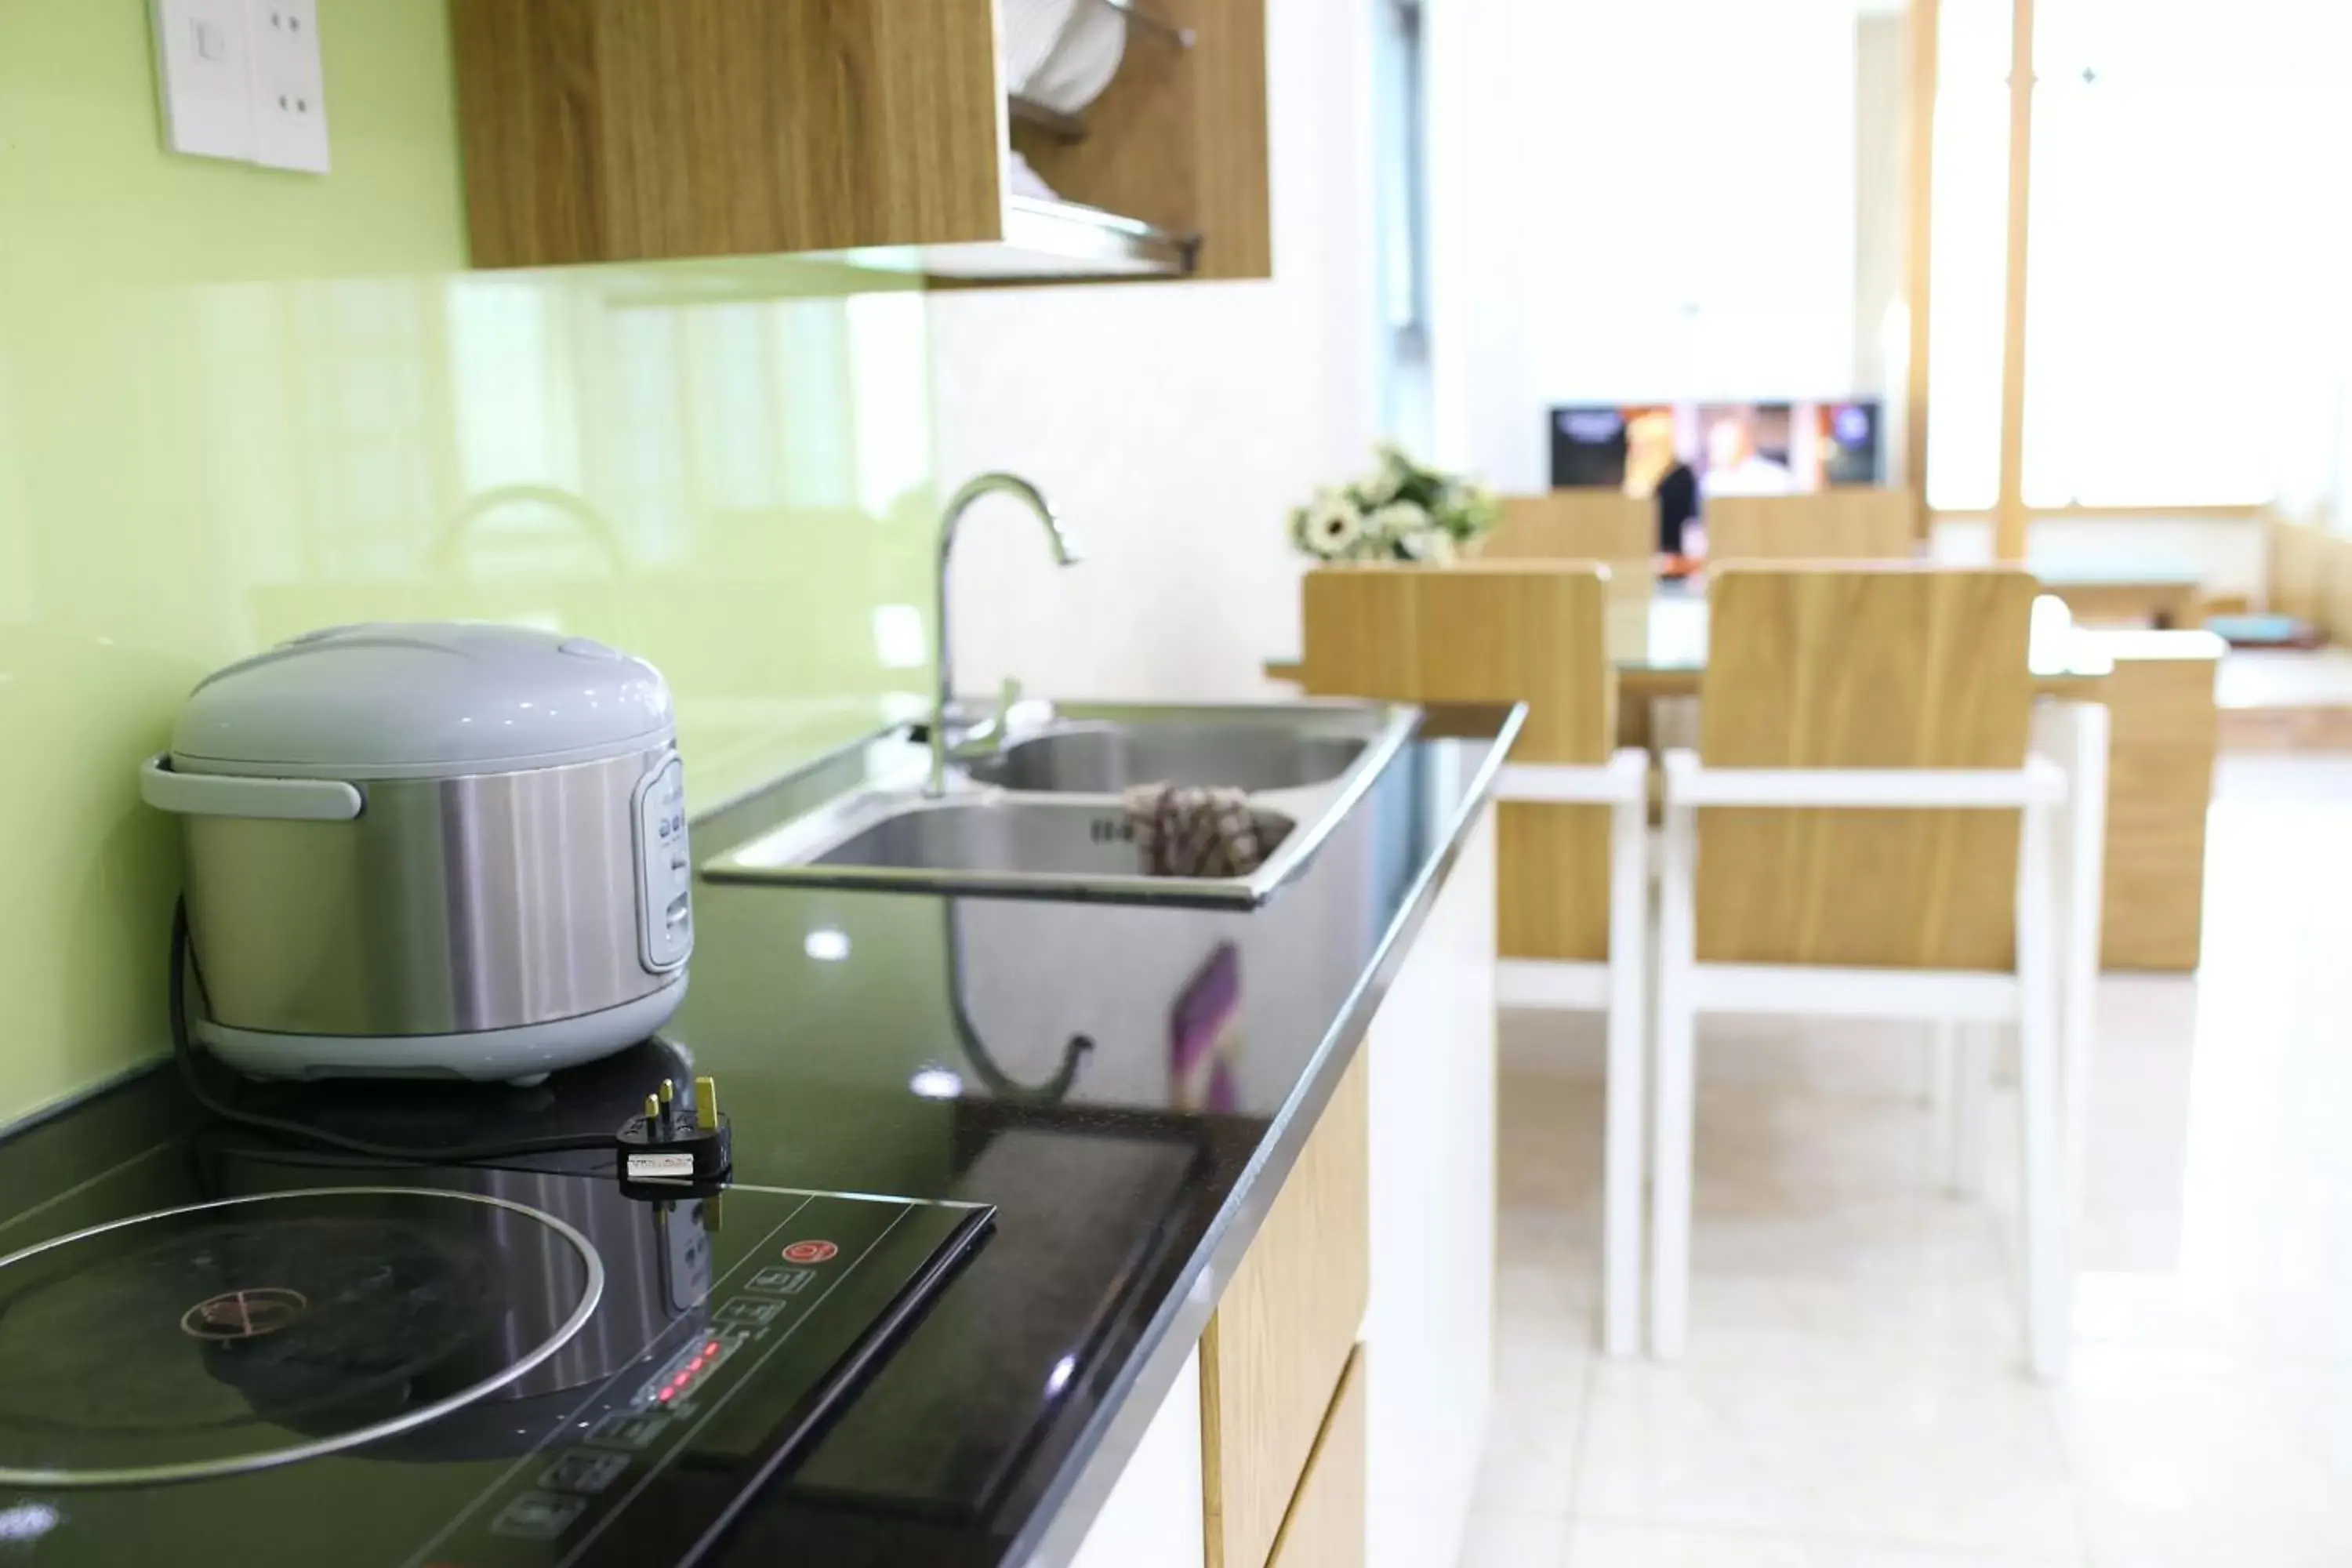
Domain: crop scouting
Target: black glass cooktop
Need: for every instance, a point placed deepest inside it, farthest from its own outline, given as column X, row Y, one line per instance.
column 256, row 1361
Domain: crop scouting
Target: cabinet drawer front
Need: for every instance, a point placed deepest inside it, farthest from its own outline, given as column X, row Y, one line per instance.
column 1283, row 1334
column 1326, row 1527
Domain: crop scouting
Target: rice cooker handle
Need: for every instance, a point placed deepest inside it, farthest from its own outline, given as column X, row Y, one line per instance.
column 232, row 794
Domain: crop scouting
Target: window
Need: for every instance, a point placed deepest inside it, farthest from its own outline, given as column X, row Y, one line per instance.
column 1408, row 395
column 2184, row 327
column 1968, row 254
column 2188, row 223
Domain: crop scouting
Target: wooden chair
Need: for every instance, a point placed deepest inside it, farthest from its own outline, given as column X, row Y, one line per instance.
column 1851, row 524
column 1863, row 832
column 1619, row 529
column 1573, row 851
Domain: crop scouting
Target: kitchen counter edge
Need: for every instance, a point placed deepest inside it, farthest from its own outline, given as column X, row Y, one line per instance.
column 1052, row 1537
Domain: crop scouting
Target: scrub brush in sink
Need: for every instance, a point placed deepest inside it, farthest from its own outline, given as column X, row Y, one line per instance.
column 1194, row 830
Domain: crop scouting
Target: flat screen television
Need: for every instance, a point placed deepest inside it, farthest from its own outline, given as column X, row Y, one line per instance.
column 1730, row 448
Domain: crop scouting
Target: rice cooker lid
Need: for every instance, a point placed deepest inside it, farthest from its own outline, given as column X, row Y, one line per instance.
column 422, row 699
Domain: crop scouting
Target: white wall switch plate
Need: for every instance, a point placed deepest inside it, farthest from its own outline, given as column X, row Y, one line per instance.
column 203, row 60
column 290, row 85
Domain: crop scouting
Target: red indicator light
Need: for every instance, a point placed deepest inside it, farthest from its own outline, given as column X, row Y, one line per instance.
column 710, row 1349
column 665, row 1394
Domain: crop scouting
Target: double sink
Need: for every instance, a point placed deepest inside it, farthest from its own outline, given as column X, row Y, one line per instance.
column 1036, row 810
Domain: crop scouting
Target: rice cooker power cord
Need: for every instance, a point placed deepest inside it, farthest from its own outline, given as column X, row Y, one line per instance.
column 668, row 1143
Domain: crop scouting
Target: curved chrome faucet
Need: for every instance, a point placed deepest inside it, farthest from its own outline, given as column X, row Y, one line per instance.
column 1065, row 553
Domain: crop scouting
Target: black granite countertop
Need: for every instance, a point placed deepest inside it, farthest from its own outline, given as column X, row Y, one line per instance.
column 1038, row 1056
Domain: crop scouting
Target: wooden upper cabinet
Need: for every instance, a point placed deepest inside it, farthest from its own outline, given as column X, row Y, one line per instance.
column 634, row 130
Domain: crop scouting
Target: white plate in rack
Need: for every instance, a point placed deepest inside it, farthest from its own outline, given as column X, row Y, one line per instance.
column 1082, row 67
column 1032, row 27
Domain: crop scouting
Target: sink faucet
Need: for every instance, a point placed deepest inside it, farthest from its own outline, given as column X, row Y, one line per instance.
column 1065, row 553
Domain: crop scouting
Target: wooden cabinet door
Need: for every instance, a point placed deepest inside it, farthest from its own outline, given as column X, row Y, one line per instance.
column 1285, row 1328
column 1326, row 1527
column 619, row 130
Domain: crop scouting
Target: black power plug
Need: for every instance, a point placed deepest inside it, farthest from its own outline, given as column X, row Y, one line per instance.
column 690, row 1146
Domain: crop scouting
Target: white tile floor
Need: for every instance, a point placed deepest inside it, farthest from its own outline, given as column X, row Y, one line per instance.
column 1854, row 1398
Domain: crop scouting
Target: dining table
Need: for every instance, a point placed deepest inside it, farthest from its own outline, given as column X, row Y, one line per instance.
column 1658, row 643
column 2142, row 588
column 1658, row 640
column 2158, row 685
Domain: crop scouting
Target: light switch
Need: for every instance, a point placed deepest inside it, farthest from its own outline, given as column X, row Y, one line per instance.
column 199, row 48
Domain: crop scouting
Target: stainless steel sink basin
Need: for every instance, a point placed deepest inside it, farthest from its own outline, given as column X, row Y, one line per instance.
column 1042, row 815
column 1106, row 758
column 1003, row 837
column 992, row 835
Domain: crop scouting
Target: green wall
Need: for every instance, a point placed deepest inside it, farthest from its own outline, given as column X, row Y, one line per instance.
column 235, row 403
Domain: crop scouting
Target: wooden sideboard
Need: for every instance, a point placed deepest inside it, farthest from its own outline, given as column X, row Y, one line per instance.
column 2164, row 732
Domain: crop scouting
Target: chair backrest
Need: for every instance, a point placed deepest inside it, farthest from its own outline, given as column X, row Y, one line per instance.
column 1582, row 525
column 1494, row 631
column 1843, row 524
column 1863, row 667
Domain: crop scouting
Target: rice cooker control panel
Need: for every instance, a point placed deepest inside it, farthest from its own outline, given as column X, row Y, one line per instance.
column 665, row 869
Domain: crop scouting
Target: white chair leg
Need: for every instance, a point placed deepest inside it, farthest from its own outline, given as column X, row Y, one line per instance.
column 1629, row 978
column 2074, row 735
column 2048, row 1289
column 2085, row 905
column 1970, row 1066
column 1675, row 1090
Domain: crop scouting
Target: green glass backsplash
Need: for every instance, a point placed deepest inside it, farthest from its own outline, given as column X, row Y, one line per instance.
column 237, row 403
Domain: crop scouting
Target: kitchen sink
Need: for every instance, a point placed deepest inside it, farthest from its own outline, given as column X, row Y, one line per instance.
column 1106, row 758
column 1004, row 837
column 1040, row 813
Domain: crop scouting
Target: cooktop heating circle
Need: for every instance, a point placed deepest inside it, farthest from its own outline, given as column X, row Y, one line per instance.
column 274, row 1327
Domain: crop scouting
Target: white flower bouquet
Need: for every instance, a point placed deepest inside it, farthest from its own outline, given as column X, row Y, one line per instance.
column 1400, row 512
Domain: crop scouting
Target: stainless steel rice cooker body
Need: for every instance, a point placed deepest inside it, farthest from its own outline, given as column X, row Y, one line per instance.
column 431, row 850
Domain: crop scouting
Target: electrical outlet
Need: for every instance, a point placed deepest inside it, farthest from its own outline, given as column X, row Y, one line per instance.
column 288, row 85
column 203, row 65
column 242, row 79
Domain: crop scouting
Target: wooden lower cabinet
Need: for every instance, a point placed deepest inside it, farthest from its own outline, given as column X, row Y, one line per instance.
column 1283, row 1334
column 1327, row 1524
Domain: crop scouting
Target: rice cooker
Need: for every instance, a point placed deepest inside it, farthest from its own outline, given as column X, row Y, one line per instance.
column 430, row 850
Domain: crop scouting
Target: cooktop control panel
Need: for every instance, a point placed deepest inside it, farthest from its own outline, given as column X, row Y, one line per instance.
column 649, row 1465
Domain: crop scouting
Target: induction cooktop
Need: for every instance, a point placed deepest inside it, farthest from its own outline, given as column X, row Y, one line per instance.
column 273, row 1359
